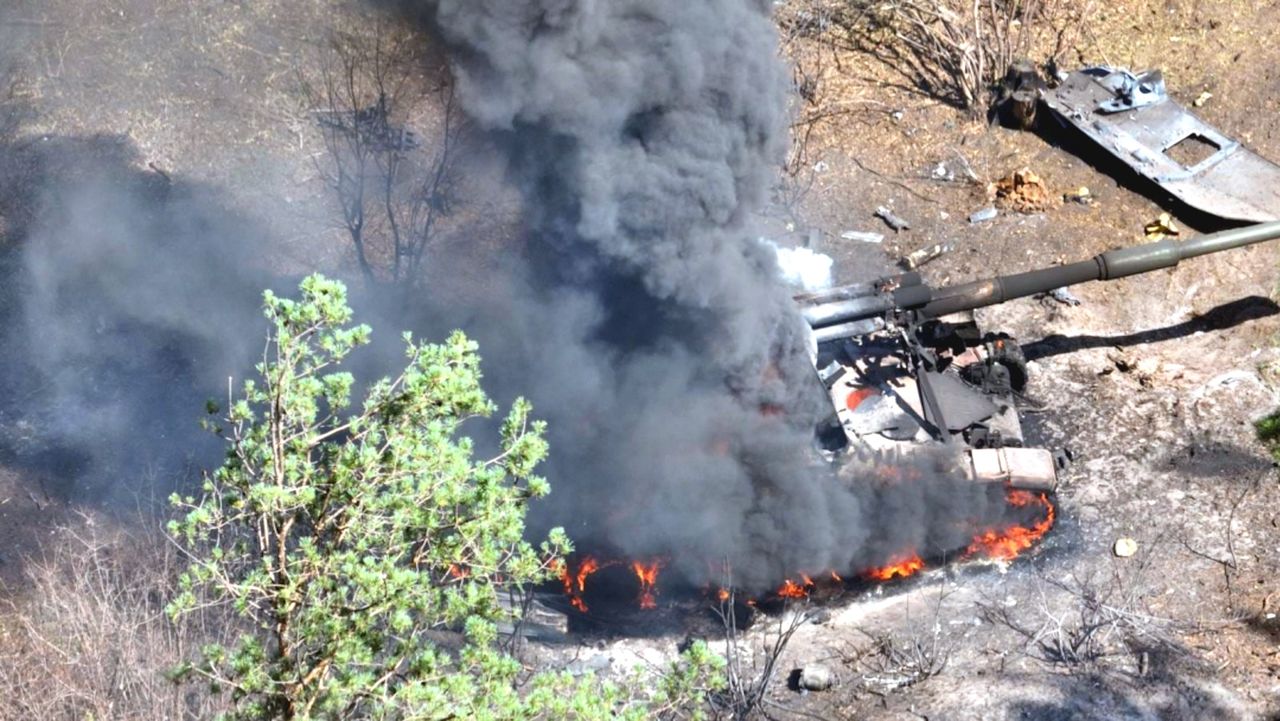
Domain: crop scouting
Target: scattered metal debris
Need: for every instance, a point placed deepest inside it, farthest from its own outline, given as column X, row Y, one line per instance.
column 864, row 237
column 982, row 216
column 1161, row 227
column 1130, row 92
column 893, row 221
column 924, row 255
column 1023, row 191
column 1133, row 118
column 1064, row 296
column 1081, row 196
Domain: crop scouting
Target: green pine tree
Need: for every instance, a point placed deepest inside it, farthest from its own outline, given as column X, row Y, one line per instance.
column 362, row 550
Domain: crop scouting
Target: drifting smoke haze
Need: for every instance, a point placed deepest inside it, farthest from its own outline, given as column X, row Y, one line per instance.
column 138, row 297
column 638, row 312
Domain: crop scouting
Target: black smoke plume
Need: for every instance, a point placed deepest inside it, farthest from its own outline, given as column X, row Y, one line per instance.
column 649, row 323
column 638, row 310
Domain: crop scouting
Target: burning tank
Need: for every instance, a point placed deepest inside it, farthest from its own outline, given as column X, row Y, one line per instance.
column 908, row 371
column 906, row 365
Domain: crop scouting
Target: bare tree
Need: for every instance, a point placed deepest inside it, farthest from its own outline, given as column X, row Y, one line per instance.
column 393, row 187
column 1088, row 620
column 748, row 674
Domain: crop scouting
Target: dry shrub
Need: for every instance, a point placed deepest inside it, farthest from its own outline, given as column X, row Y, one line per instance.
column 1098, row 620
column 958, row 50
column 88, row 638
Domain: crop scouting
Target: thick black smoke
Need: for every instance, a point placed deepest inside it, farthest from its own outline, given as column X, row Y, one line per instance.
column 639, row 313
column 649, row 322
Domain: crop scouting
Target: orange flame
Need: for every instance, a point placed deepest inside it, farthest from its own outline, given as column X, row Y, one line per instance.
column 791, row 589
column 997, row 543
column 576, row 583
column 1006, row 544
column 648, row 575
column 900, row 567
column 589, row 566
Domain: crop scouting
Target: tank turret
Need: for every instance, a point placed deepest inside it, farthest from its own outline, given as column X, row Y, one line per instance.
column 905, row 364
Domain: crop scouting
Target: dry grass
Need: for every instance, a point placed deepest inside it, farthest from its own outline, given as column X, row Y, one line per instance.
column 956, row 51
column 89, row 639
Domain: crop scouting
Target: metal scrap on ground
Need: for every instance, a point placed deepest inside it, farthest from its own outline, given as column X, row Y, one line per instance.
column 1132, row 117
column 891, row 219
column 924, row 255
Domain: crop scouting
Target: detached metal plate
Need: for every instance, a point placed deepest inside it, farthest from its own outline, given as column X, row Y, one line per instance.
column 1228, row 180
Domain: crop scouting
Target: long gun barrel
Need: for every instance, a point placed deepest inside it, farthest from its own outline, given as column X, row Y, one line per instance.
column 1110, row 265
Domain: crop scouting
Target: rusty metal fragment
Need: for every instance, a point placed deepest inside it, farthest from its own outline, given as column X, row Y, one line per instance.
column 1132, row 117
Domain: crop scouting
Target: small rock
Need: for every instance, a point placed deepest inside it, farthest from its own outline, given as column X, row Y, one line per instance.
column 1202, row 99
column 592, row 665
column 1125, row 547
column 1147, row 367
column 819, row 616
column 1122, row 362
column 815, row 678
